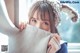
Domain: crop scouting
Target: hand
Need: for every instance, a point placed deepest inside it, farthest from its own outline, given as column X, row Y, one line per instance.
column 22, row 26
column 54, row 46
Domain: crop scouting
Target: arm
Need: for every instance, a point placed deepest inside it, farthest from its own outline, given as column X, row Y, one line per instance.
column 5, row 24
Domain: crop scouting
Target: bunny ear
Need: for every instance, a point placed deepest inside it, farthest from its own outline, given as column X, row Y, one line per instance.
column 73, row 15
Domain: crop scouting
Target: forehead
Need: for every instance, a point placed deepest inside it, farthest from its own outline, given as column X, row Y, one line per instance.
column 41, row 15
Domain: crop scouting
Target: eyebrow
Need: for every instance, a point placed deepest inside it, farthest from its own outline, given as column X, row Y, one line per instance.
column 41, row 19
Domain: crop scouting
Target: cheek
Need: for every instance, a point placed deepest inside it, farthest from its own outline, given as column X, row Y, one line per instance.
column 45, row 27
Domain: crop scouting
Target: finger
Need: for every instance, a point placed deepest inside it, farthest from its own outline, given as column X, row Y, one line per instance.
column 52, row 48
column 56, row 41
column 56, row 36
column 22, row 26
column 55, row 45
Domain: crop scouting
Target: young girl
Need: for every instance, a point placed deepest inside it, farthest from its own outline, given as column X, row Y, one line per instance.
column 45, row 16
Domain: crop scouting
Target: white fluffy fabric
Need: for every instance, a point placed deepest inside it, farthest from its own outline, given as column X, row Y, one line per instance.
column 30, row 40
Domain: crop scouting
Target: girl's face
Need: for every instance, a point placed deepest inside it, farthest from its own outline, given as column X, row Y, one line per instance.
column 38, row 22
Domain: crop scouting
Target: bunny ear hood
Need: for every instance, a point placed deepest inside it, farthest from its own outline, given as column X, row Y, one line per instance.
column 66, row 9
column 72, row 14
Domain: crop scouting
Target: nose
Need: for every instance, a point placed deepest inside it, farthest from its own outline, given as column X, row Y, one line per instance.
column 39, row 24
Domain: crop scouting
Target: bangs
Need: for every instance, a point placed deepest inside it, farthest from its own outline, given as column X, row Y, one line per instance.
column 42, row 10
column 41, row 14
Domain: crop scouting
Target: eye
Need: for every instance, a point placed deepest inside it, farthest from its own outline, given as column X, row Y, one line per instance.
column 46, row 23
column 34, row 20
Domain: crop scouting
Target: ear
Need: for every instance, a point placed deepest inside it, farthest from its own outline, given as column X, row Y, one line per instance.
column 73, row 15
